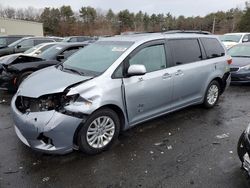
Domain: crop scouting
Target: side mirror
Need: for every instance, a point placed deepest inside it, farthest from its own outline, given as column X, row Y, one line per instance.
column 136, row 70
column 245, row 40
column 60, row 57
column 18, row 46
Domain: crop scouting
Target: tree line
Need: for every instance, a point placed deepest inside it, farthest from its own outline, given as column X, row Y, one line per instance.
column 64, row 21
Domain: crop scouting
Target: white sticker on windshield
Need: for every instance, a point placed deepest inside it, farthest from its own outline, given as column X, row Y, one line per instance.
column 119, row 49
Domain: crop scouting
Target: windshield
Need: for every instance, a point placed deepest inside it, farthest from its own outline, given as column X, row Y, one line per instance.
column 3, row 42
column 40, row 47
column 230, row 38
column 51, row 52
column 33, row 49
column 66, row 39
column 240, row 51
column 97, row 57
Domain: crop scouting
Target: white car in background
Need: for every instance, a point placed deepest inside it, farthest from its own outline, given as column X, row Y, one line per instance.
column 231, row 39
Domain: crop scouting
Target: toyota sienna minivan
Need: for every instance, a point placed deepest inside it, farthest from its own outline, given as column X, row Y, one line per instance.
column 114, row 84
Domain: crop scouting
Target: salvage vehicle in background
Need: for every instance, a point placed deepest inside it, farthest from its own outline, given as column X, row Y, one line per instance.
column 114, row 84
column 243, row 149
column 231, row 39
column 24, row 44
column 8, row 39
column 240, row 68
column 15, row 68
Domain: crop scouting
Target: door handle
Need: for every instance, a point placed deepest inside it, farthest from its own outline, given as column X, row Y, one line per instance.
column 179, row 73
column 166, row 76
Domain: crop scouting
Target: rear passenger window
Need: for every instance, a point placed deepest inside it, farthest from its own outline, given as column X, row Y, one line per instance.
column 185, row 51
column 212, row 47
column 152, row 57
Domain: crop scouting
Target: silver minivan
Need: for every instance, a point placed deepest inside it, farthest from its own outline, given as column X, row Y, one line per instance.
column 114, row 84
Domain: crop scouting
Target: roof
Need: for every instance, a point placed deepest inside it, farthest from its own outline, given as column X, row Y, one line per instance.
column 236, row 33
column 154, row 36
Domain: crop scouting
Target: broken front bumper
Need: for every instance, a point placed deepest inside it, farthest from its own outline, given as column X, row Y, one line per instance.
column 49, row 131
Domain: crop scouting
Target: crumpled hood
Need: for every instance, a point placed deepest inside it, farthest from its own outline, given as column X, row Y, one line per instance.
column 48, row 81
column 8, row 59
column 240, row 62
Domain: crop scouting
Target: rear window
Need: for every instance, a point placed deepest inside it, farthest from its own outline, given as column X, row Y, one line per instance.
column 212, row 47
column 185, row 51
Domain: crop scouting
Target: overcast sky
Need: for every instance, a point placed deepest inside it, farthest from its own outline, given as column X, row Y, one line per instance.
column 175, row 7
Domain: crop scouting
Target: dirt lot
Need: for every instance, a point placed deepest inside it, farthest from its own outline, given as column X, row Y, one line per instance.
column 177, row 150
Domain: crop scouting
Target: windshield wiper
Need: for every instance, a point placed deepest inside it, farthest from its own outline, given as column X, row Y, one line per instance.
column 241, row 56
column 75, row 71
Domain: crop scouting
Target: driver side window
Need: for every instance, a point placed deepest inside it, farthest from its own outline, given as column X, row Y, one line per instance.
column 152, row 57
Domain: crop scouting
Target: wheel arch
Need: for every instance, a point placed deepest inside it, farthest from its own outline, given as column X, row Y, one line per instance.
column 113, row 107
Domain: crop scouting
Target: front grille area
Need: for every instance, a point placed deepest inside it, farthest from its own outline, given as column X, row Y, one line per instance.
column 234, row 69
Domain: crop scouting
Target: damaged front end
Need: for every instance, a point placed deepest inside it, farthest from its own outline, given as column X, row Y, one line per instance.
column 45, row 124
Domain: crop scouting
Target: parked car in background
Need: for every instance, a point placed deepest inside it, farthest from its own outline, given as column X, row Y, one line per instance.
column 240, row 68
column 114, row 84
column 8, row 39
column 243, row 149
column 15, row 68
column 57, row 39
column 77, row 39
column 23, row 44
column 231, row 39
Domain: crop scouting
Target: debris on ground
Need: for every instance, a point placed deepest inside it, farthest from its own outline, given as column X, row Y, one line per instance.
column 159, row 144
column 216, row 143
column 169, row 147
column 11, row 172
column 222, row 136
column 231, row 152
column 45, row 179
column 2, row 101
column 151, row 152
column 20, row 167
column 169, row 134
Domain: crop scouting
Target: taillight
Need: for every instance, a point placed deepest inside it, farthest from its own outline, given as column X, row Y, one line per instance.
column 229, row 61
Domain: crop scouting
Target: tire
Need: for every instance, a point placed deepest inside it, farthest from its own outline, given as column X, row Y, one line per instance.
column 89, row 144
column 240, row 148
column 212, row 94
column 22, row 77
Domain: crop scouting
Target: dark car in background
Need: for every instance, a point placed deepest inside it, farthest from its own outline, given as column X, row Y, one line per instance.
column 8, row 39
column 24, row 44
column 78, row 39
column 15, row 68
column 240, row 68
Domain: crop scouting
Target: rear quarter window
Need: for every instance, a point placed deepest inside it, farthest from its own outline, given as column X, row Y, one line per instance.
column 185, row 50
column 212, row 47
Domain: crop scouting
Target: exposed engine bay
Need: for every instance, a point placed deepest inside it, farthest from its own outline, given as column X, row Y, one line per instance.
column 44, row 103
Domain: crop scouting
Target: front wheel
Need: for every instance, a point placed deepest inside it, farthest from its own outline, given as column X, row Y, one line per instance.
column 99, row 132
column 212, row 94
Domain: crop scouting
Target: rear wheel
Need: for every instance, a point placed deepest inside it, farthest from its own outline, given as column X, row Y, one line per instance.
column 99, row 132
column 212, row 94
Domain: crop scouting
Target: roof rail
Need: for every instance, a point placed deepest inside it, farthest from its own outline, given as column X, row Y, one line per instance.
column 188, row 31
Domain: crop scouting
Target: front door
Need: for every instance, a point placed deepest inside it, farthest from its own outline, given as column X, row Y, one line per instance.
column 151, row 94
